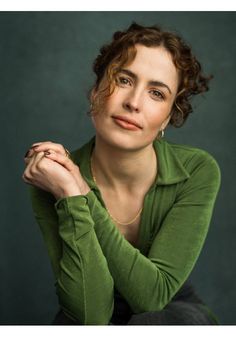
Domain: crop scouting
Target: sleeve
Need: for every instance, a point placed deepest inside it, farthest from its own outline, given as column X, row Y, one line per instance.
column 83, row 282
column 149, row 283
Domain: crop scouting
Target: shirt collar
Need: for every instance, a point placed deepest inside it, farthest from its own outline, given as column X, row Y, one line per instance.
column 170, row 168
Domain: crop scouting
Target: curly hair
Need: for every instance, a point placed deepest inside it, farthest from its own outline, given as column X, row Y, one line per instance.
column 121, row 51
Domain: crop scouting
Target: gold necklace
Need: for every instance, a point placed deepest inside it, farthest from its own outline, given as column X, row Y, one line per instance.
column 112, row 217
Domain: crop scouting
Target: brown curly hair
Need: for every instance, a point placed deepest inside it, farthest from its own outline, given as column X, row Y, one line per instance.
column 121, row 51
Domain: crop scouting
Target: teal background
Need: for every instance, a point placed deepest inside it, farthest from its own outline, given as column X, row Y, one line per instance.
column 45, row 75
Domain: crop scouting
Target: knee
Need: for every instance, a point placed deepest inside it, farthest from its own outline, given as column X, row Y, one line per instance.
column 175, row 313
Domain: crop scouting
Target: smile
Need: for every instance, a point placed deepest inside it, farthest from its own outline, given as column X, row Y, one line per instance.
column 126, row 123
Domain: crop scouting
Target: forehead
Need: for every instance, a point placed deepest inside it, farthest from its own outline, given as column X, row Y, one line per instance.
column 154, row 63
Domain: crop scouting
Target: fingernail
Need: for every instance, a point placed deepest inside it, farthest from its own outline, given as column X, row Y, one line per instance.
column 26, row 155
column 34, row 146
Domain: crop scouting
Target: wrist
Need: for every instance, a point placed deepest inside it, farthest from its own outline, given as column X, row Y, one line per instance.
column 84, row 188
column 69, row 191
column 72, row 190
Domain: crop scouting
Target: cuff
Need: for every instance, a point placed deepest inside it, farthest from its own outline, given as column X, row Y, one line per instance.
column 74, row 215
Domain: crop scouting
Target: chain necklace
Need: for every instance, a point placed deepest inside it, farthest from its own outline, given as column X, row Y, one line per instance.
column 111, row 216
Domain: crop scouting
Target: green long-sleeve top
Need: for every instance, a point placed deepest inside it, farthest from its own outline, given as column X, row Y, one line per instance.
column 90, row 257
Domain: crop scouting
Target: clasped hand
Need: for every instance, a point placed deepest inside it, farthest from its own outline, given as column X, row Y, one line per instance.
column 49, row 168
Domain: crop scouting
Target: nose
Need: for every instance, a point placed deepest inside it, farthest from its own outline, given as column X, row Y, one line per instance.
column 132, row 103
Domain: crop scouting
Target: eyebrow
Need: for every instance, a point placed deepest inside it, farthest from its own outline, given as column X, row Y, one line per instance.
column 155, row 83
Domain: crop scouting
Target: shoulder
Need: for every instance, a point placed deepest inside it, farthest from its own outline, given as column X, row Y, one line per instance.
column 196, row 160
column 187, row 154
column 179, row 162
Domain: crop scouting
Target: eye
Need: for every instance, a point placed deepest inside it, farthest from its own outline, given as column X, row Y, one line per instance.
column 123, row 81
column 157, row 95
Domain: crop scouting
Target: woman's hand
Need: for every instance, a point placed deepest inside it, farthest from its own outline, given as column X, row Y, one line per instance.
column 50, row 168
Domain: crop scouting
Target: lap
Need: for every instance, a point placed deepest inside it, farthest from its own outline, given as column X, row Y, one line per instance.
column 186, row 308
column 175, row 313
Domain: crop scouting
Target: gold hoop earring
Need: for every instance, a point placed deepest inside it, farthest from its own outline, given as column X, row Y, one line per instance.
column 161, row 134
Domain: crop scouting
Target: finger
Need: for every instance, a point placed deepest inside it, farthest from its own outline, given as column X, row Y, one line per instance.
column 39, row 143
column 47, row 146
column 35, row 146
column 29, row 156
column 61, row 159
column 33, row 169
column 25, row 178
column 27, row 160
column 29, row 153
column 31, row 166
column 37, row 157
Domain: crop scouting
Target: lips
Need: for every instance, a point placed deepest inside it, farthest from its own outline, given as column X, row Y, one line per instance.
column 127, row 121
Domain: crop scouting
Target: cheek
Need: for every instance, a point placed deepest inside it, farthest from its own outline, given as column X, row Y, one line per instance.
column 155, row 125
column 155, row 120
column 112, row 102
column 158, row 114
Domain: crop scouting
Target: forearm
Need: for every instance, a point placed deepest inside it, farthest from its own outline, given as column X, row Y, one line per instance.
column 84, row 284
column 149, row 283
column 47, row 219
column 135, row 276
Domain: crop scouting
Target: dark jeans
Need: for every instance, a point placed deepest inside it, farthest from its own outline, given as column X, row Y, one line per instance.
column 185, row 308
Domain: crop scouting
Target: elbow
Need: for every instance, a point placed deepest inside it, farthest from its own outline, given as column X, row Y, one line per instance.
column 156, row 302
column 156, row 298
column 81, row 312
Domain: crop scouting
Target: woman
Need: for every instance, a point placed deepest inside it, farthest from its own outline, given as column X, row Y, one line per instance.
column 125, row 217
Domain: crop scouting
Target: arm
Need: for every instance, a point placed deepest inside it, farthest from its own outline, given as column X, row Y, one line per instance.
column 83, row 282
column 82, row 276
column 149, row 283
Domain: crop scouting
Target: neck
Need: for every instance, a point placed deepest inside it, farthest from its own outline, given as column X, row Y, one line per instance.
column 119, row 168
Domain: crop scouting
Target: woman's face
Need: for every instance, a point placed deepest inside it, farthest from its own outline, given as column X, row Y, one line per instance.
column 141, row 103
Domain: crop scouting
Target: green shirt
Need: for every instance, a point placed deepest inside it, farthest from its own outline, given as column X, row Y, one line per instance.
column 90, row 257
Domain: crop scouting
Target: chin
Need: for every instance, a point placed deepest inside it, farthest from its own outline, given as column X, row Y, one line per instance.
column 125, row 141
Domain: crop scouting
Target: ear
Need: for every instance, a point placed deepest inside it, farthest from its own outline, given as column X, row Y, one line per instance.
column 93, row 94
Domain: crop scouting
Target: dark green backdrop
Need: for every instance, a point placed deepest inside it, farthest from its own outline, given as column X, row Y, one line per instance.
column 45, row 74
